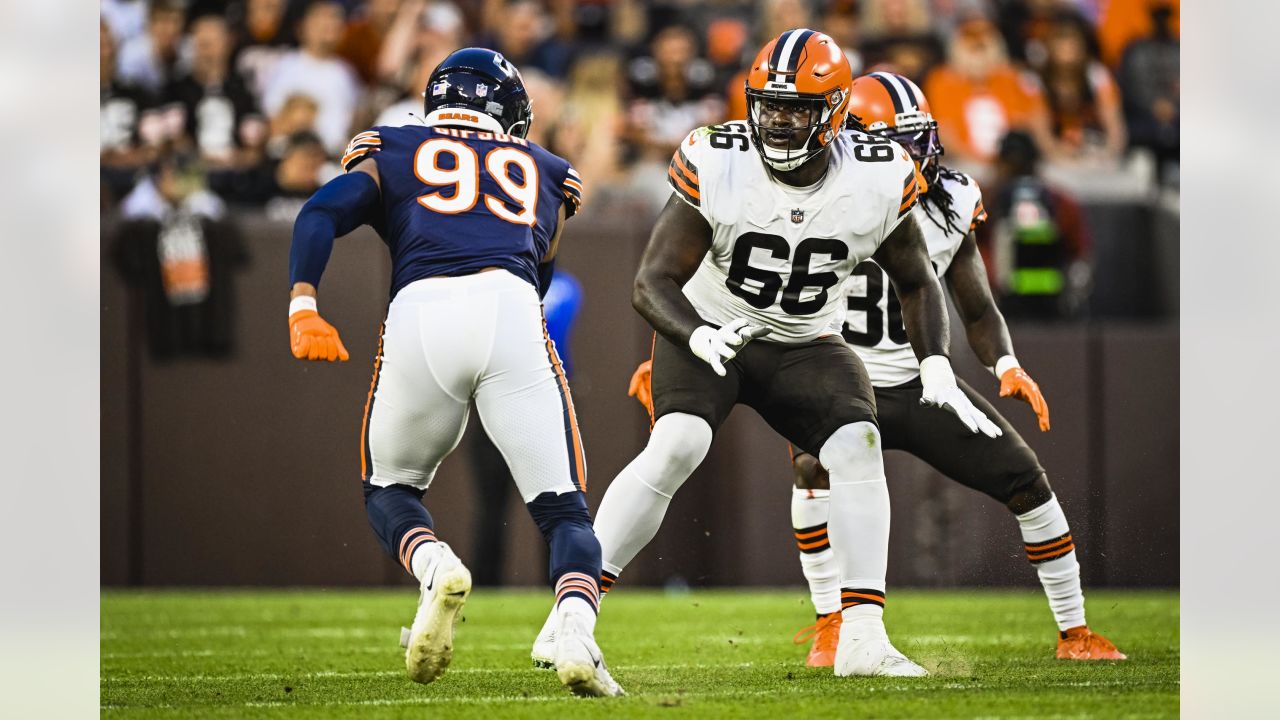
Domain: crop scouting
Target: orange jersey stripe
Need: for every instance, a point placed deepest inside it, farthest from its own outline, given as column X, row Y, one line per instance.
column 690, row 175
column 368, row 405
column 693, row 192
column 579, row 457
column 824, row 542
column 814, row 534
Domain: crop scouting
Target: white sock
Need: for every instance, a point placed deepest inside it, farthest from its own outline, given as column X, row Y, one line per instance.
column 579, row 608
column 1053, row 553
column 809, row 511
column 637, row 500
column 859, row 523
column 423, row 560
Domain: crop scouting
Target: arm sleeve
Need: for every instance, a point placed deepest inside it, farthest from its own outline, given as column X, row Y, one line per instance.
column 333, row 211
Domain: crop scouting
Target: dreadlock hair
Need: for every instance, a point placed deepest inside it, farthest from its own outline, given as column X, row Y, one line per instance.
column 937, row 201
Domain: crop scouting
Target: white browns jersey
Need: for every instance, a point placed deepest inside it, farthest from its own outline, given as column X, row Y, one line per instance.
column 873, row 324
column 779, row 255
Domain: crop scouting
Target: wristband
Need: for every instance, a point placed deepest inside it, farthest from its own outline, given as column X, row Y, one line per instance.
column 1004, row 364
column 302, row 302
column 935, row 371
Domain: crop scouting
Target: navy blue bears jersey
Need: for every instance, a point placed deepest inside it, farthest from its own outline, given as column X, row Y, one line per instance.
column 455, row 201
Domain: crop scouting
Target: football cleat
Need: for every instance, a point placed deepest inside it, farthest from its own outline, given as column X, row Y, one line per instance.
column 864, row 649
column 579, row 662
column 544, row 648
column 430, row 641
column 1081, row 643
column 826, row 636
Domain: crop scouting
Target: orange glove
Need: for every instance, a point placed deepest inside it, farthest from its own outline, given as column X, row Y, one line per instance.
column 1016, row 383
column 311, row 337
column 641, row 387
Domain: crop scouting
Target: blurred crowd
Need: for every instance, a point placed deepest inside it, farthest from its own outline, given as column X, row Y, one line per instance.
column 249, row 103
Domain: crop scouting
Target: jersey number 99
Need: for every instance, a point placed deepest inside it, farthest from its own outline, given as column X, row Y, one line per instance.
column 459, row 186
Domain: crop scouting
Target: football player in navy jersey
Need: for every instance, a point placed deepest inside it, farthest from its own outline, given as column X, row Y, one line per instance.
column 471, row 212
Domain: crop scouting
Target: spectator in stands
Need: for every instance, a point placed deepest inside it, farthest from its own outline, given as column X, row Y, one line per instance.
column 298, row 114
column 1083, row 100
column 218, row 113
column 282, row 186
column 1124, row 21
column 149, row 60
column 262, row 37
column 1152, row 89
column 898, row 33
column 977, row 96
column 126, row 18
column 773, row 17
column 1037, row 237
column 422, row 35
column 316, row 70
column 522, row 31
column 362, row 41
column 125, row 115
column 672, row 91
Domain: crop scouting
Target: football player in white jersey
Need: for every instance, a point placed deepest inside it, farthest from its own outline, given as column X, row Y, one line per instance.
column 767, row 220
column 1003, row 467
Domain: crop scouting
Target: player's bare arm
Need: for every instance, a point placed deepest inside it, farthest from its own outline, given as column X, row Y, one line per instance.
column 987, row 331
column 333, row 211
column 680, row 239
column 904, row 257
column 924, row 313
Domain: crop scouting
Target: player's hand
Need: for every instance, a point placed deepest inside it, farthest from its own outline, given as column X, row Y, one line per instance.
column 641, row 387
column 940, row 390
column 311, row 337
column 719, row 346
column 1016, row 383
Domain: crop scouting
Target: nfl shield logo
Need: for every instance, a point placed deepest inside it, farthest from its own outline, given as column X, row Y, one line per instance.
column 797, row 216
column 481, row 90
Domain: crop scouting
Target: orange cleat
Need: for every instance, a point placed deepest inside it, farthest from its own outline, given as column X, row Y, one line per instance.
column 826, row 635
column 1081, row 643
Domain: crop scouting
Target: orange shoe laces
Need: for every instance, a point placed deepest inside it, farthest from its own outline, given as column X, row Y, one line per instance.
column 806, row 633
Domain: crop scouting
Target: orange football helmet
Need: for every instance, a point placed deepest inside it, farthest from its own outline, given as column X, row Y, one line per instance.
column 800, row 69
column 890, row 105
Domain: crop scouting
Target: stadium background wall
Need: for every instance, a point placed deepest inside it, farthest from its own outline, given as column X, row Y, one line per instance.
column 246, row 472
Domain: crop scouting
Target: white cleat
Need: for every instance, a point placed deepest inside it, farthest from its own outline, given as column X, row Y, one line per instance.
column 864, row 649
column 544, row 648
column 579, row 662
column 430, row 641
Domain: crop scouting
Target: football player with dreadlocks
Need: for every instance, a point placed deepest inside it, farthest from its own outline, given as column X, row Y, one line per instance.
column 1003, row 467
column 741, row 281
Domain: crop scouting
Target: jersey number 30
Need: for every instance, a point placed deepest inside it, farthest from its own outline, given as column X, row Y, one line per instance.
column 766, row 284
column 461, row 183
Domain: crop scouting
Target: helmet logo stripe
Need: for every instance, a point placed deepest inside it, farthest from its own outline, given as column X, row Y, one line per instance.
column 790, row 56
column 903, row 100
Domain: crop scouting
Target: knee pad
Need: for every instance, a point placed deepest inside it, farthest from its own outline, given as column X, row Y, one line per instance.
column 853, row 448
column 677, row 446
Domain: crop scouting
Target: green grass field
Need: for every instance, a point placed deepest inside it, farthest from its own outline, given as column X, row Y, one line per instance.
column 322, row 654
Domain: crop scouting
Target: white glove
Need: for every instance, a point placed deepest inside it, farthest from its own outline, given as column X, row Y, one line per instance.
column 718, row 346
column 940, row 390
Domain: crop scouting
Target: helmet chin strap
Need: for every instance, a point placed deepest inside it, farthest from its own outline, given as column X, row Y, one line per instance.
column 466, row 117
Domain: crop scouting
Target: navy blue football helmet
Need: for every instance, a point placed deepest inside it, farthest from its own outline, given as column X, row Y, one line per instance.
column 484, row 82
